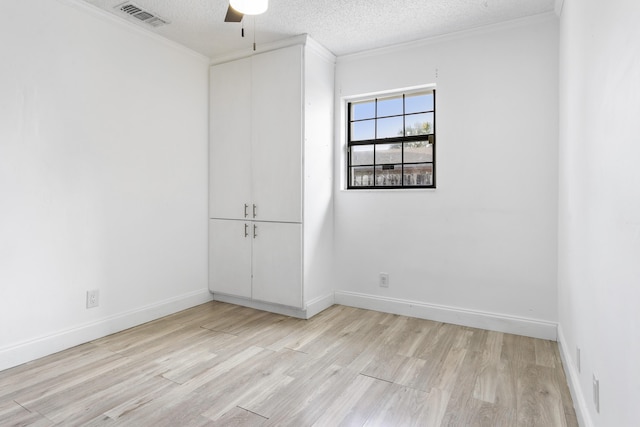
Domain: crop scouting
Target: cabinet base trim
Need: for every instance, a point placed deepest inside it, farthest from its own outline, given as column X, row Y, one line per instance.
column 264, row 306
column 314, row 307
column 458, row 316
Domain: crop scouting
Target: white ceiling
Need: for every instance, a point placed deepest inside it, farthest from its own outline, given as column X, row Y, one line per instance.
column 342, row 26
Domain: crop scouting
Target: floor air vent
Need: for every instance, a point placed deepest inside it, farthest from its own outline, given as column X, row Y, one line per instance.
column 145, row 16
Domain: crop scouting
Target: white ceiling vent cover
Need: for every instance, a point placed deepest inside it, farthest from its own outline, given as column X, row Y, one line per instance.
column 137, row 12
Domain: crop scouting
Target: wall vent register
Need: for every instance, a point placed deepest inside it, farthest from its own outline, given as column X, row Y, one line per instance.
column 140, row 14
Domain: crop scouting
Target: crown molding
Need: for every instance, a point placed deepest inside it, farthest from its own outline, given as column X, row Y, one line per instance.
column 472, row 32
column 301, row 39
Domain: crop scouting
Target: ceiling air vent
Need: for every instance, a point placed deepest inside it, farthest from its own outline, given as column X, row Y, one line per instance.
column 137, row 12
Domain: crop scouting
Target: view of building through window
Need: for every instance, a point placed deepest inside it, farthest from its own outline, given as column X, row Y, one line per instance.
column 391, row 141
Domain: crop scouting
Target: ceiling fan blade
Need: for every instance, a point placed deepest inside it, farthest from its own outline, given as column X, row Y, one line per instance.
column 233, row 15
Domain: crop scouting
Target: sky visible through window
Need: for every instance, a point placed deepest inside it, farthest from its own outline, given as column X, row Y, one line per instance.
column 389, row 122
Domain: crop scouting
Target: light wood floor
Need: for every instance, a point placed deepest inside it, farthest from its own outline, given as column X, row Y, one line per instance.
column 220, row 364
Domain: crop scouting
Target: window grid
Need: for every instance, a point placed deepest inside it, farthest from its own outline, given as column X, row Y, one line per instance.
column 429, row 139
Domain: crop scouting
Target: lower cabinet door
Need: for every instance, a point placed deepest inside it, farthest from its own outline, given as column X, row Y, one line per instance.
column 277, row 263
column 230, row 257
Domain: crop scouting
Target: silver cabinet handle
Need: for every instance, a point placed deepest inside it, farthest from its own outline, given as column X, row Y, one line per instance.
column 255, row 228
column 246, row 230
column 255, row 210
column 246, row 206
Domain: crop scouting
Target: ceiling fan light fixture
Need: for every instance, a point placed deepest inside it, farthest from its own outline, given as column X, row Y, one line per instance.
column 250, row 7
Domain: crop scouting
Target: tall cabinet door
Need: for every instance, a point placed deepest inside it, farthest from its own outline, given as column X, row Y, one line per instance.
column 277, row 263
column 230, row 140
column 277, row 134
column 230, row 257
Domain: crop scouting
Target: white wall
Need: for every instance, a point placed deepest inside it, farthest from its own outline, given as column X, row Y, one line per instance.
column 103, row 177
column 481, row 248
column 599, row 220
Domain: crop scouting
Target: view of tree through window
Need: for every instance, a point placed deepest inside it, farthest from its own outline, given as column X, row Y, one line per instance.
column 391, row 141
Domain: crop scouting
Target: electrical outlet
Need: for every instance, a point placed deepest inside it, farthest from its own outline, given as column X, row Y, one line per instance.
column 93, row 298
column 384, row 280
column 578, row 359
column 596, row 393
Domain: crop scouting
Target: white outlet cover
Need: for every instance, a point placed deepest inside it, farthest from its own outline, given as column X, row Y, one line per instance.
column 596, row 393
column 384, row 280
column 93, row 298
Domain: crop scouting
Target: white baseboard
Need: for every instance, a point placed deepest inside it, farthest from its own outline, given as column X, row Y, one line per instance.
column 26, row 351
column 319, row 304
column 571, row 372
column 457, row 316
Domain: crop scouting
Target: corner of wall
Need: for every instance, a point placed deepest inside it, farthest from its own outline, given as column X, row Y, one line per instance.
column 571, row 372
column 557, row 8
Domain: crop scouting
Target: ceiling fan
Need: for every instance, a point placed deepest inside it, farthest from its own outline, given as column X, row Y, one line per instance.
column 238, row 8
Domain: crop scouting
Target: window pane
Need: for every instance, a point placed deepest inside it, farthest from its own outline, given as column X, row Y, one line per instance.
column 361, row 155
column 418, row 174
column 363, row 130
column 418, row 151
column 391, row 141
column 363, row 110
column 388, row 153
column 418, row 103
column 419, row 124
column 362, row 176
column 389, row 175
column 389, row 106
column 390, row 127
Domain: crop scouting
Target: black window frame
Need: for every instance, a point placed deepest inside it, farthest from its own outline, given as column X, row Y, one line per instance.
column 392, row 140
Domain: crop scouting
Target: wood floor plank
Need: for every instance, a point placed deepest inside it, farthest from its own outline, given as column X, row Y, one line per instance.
column 487, row 379
column 345, row 409
column 414, row 336
column 539, row 398
column 245, row 386
column 491, row 415
column 39, row 375
column 12, row 414
column 411, row 407
column 240, row 417
column 221, row 364
column 544, row 353
column 312, row 397
column 518, row 349
column 52, row 388
column 139, row 399
column 462, row 406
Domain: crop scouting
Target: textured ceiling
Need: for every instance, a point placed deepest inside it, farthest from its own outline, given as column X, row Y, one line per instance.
column 343, row 26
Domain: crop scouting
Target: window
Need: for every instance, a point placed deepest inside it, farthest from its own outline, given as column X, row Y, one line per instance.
column 391, row 141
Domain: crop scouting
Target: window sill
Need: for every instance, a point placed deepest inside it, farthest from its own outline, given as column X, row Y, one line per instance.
column 389, row 190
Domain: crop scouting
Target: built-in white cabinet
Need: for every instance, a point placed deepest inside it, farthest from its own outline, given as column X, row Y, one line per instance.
column 230, row 257
column 256, row 128
column 277, row 263
column 257, row 260
column 230, row 140
column 276, row 140
column 270, row 233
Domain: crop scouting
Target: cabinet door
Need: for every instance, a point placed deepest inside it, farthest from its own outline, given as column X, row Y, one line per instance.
column 230, row 257
column 276, row 142
column 277, row 263
column 230, row 140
